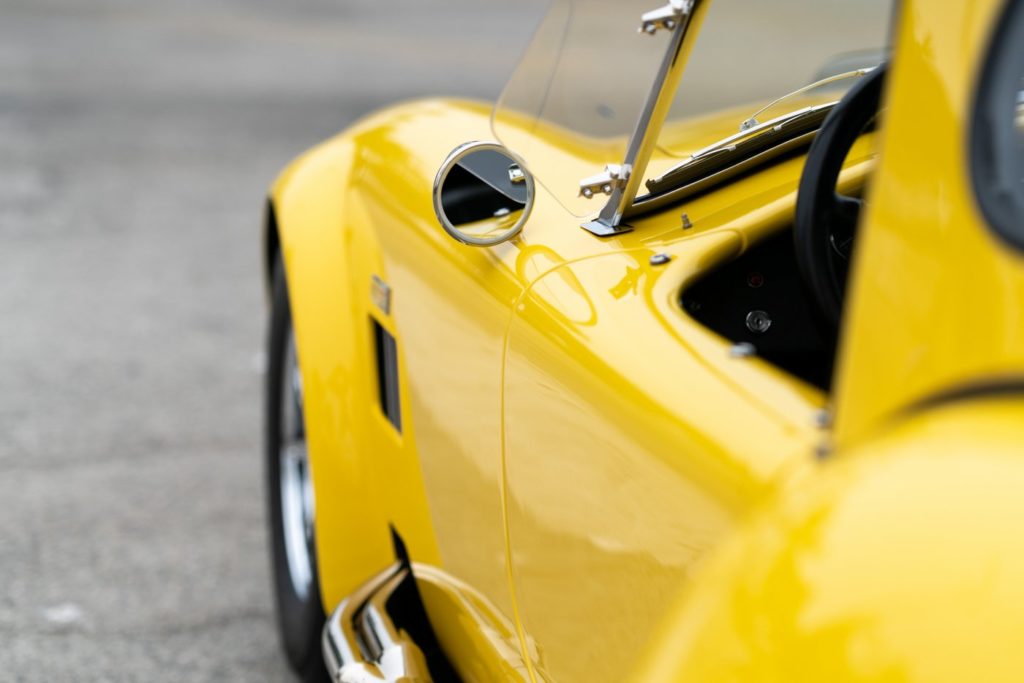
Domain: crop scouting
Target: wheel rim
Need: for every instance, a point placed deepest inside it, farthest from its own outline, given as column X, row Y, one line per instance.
column 296, row 483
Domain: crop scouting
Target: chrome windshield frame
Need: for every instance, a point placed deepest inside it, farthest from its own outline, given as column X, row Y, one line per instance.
column 622, row 182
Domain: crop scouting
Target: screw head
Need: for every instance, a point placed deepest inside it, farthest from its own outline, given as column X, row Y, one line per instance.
column 660, row 259
column 606, row 188
column 587, row 192
column 823, row 450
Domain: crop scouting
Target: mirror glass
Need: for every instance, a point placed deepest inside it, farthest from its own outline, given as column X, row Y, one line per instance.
column 483, row 194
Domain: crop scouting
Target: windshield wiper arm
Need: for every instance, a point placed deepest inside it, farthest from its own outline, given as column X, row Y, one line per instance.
column 752, row 121
column 753, row 138
column 753, row 141
column 731, row 143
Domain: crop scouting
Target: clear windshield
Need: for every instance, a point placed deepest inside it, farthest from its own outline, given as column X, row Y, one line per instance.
column 572, row 104
column 750, row 53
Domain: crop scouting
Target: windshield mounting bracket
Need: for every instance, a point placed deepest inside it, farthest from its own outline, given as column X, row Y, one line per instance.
column 622, row 181
column 614, row 177
column 667, row 17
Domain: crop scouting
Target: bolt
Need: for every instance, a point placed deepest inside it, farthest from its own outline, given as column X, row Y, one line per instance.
column 660, row 259
column 606, row 188
column 587, row 192
column 686, row 222
column 670, row 24
column 758, row 322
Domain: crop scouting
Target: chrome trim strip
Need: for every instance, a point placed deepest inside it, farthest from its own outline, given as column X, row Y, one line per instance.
column 360, row 643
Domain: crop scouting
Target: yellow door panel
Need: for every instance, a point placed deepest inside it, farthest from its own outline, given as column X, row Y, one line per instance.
column 630, row 450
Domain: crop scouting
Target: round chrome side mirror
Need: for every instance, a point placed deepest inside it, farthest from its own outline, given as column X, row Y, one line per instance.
column 483, row 194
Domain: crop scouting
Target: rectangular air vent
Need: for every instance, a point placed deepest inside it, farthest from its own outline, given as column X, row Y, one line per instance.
column 387, row 374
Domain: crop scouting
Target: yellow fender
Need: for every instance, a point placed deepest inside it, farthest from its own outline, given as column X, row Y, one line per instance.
column 366, row 476
column 851, row 575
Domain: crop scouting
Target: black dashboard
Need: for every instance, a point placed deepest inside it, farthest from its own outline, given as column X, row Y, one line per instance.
column 759, row 299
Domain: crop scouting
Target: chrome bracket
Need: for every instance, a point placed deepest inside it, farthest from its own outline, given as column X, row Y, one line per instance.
column 667, row 17
column 614, row 177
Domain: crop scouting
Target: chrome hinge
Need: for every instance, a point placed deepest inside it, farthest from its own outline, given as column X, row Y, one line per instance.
column 613, row 177
column 667, row 17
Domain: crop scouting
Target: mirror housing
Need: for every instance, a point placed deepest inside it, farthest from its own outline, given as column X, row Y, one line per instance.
column 483, row 194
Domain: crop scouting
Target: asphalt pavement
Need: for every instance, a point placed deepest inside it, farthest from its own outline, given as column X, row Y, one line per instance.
column 137, row 138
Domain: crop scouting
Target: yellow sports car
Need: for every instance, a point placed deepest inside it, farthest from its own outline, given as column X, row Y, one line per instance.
column 698, row 356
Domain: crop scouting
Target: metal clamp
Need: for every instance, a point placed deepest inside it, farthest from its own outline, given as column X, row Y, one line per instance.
column 614, row 177
column 667, row 17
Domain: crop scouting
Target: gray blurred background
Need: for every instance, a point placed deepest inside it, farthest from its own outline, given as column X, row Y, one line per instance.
column 137, row 138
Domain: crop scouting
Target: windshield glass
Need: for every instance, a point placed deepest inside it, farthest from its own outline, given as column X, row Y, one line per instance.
column 577, row 94
column 574, row 100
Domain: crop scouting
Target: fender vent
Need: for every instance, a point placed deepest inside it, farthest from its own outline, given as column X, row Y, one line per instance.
column 387, row 374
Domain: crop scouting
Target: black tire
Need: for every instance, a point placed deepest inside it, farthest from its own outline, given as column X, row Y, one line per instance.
column 300, row 615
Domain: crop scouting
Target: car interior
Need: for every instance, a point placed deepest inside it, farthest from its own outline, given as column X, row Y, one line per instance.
column 784, row 296
column 759, row 299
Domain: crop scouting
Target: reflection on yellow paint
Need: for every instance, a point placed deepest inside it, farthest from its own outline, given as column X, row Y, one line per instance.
column 618, row 481
column 481, row 642
column 490, row 227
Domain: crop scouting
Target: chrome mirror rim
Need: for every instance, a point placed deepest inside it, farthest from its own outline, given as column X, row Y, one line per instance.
column 449, row 163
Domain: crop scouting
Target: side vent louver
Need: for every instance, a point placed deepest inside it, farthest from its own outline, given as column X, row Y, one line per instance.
column 387, row 374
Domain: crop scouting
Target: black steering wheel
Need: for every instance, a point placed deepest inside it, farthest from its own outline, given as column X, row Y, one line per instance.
column 826, row 221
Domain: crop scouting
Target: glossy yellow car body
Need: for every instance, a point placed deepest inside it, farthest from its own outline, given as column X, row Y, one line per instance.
column 597, row 487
